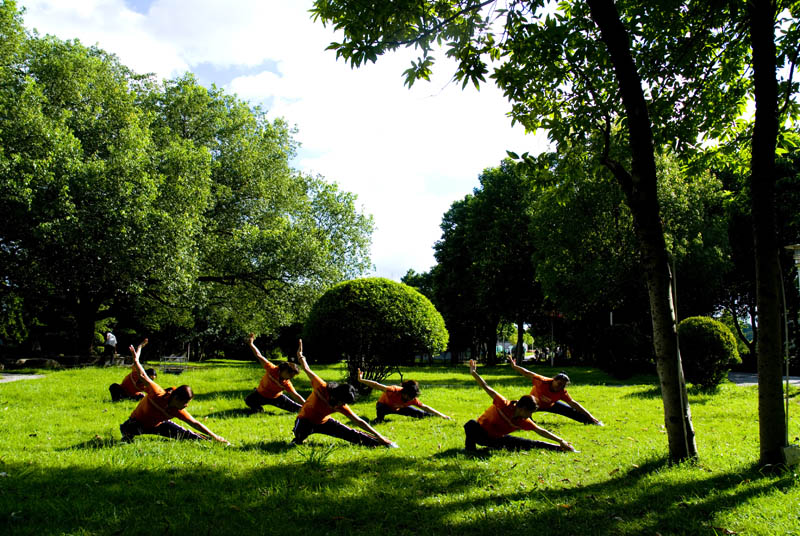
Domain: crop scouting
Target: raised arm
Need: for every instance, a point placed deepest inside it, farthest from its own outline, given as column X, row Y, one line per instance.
column 472, row 370
column 304, row 364
column 523, row 371
column 370, row 383
column 565, row 445
column 251, row 342
column 136, row 352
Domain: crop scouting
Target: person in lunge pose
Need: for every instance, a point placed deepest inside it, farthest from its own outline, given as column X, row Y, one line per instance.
column 493, row 428
column 325, row 398
column 551, row 395
column 276, row 379
column 154, row 412
column 399, row 399
column 132, row 386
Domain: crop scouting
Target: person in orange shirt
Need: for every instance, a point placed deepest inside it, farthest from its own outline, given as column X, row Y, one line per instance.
column 154, row 413
column 276, row 379
column 551, row 395
column 493, row 428
column 399, row 399
column 326, row 398
column 132, row 386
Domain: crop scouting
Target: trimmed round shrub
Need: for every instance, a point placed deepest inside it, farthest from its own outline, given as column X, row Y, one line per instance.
column 374, row 324
column 708, row 350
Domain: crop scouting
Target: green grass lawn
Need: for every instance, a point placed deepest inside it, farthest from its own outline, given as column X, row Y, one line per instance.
column 63, row 469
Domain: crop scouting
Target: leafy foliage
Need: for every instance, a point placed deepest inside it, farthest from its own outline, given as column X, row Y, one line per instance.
column 708, row 349
column 374, row 324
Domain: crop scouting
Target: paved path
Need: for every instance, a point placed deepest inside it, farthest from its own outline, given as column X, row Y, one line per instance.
column 6, row 377
column 747, row 378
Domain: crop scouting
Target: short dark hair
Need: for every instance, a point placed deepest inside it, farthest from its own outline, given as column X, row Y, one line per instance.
column 184, row 392
column 341, row 393
column 562, row 376
column 527, row 402
column 410, row 388
column 151, row 373
column 291, row 367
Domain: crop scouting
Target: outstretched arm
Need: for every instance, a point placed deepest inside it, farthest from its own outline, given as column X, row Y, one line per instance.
column 549, row 435
column 583, row 410
column 251, row 342
column 370, row 383
column 364, row 425
column 523, row 371
column 432, row 411
column 197, row 425
column 292, row 393
column 472, row 370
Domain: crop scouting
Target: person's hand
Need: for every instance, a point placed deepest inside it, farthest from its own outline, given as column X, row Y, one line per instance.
column 221, row 439
column 512, row 361
column 134, row 352
column 143, row 343
column 447, row 417
column 360, row 375
column 565, row 445
column 300, row 355
column 251, row 337
column 472, row 365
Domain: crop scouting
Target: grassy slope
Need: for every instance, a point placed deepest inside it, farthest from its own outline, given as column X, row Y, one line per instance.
column 64, row 471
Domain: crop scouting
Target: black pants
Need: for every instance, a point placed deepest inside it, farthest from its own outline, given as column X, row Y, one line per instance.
column 254, row 401
column 118, row 393
column 131, row 428
column 476, row 435
column 561, row 408
column 304, row 428
column 383, row 410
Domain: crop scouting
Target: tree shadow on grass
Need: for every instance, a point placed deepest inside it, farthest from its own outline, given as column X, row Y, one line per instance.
column 236, row 413
column 270, row 447
column 652, row 392
column 95, row 443
column 361, row 494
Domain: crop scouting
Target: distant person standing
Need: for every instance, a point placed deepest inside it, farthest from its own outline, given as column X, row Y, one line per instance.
column 109, row 348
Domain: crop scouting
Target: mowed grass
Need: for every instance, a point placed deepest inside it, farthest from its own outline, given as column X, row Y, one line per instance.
column 64, row 470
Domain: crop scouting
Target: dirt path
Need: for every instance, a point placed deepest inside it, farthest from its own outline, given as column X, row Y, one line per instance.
column 6, row 377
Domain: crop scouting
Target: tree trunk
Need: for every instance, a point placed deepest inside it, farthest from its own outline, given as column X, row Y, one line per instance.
column 519, row 350
column 640, row 189
column 771, row 418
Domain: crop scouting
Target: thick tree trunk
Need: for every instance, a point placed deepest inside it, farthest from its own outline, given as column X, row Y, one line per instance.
column 519, row 350
column 640, row 189
column 771, row 418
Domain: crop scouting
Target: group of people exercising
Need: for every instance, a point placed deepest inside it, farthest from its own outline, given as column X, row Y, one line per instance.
column 157, row 406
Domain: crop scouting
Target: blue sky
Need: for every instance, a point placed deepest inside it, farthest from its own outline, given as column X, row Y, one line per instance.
column 407, row 153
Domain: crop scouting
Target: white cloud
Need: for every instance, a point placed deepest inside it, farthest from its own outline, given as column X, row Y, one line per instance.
column 407, row 153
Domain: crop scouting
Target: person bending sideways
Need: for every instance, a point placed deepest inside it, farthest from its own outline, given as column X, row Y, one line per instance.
column 493, row 428
column 326, row 398
column 399, row 399
column 275, row 381
column 154, row 413
column 551, row 395
column 132, row 386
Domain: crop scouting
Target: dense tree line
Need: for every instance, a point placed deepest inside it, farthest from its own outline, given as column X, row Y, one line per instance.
column 158, row 206
column 644, row 78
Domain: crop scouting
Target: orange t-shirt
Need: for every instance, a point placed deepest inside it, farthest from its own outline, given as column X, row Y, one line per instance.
column 392, row 397
column 543, row 395
column 317, row 409
column 153, row 409
column 498, row 420
column 133, row 384
column 271, row 385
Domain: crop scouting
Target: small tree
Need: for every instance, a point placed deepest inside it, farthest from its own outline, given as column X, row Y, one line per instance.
column 708, row 349
column 374, row 324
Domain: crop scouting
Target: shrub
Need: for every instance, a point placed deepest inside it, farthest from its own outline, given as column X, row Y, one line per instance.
column 708, row 350
column 374, row 324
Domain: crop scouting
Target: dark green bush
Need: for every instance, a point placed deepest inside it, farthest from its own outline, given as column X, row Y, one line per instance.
column 374, row 324
column 708, row 350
